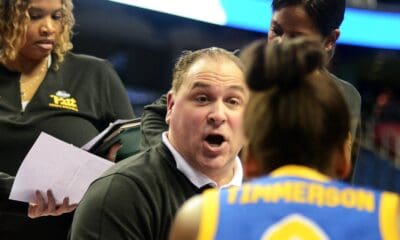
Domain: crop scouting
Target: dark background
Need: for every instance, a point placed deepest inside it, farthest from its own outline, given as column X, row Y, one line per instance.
column 143, row 45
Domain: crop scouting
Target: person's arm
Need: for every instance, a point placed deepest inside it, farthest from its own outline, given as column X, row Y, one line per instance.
column 114, row 207
column 355, row 151
column 6, row 205
column 6, row 182
column 398, row 218
column 355, row 112
column 153, row 123
column 118, row 104
column 389, row 211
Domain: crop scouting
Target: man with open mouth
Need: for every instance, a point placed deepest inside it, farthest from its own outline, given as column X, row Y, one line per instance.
column 139, row 196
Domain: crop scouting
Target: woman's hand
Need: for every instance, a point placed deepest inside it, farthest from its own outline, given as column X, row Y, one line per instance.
column 40, row 208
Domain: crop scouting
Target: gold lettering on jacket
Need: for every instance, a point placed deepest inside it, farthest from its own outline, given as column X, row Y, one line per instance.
column 304, row 193
column 65, row 103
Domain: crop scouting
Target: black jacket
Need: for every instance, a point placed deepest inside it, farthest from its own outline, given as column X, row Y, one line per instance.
column 9, row 206
column 135, row 199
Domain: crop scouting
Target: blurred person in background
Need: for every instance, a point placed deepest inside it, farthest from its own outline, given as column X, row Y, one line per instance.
column 45, row 87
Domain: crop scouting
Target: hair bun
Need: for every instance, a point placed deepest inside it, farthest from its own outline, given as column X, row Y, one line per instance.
column 253, row 57
column 288, row 62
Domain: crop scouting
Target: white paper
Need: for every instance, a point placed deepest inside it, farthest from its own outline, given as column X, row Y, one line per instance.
column 53, row 164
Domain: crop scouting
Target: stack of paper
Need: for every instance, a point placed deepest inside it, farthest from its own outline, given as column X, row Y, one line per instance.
column 53, row 164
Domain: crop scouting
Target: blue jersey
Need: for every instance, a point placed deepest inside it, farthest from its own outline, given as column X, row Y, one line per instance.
column 299, row 203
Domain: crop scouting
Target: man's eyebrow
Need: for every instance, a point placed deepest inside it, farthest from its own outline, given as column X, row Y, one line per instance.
column 238, row 88
column 200, row 85
column 205, row 85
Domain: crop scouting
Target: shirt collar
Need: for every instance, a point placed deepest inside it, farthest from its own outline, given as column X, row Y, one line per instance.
column 198, row 178
column 299, row 171
column 49, row 61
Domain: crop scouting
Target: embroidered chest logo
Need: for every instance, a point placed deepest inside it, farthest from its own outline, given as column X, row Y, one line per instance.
column 62, row 99
column 295, row 226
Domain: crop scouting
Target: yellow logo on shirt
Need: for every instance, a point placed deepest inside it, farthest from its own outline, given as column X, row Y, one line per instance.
column 295, row 227
column 63, row 100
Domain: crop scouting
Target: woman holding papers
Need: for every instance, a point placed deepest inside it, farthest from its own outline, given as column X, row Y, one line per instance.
column 38, row 209
column 44, row 87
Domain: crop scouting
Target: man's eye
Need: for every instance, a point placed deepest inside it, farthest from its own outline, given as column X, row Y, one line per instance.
column 201, row 99
column 234, row 101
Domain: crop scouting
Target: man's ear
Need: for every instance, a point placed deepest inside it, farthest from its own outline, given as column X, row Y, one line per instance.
column 330, row 41
column 170, row 104
column 343, row 163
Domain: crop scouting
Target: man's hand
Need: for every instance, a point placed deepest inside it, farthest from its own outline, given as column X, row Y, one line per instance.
column 40, row 208
column 112, row 152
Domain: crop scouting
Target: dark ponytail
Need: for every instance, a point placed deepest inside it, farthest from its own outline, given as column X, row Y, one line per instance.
column 282, row 65
column 296, row 114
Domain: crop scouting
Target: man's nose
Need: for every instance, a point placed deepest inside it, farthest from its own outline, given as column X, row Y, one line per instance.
column 217, row 115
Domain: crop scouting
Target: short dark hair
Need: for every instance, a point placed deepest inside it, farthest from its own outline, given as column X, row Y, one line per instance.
column 296, row 114
column 188, row 58
column 327, row 15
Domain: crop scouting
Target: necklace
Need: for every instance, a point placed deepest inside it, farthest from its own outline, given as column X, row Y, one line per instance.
column 30, row 83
